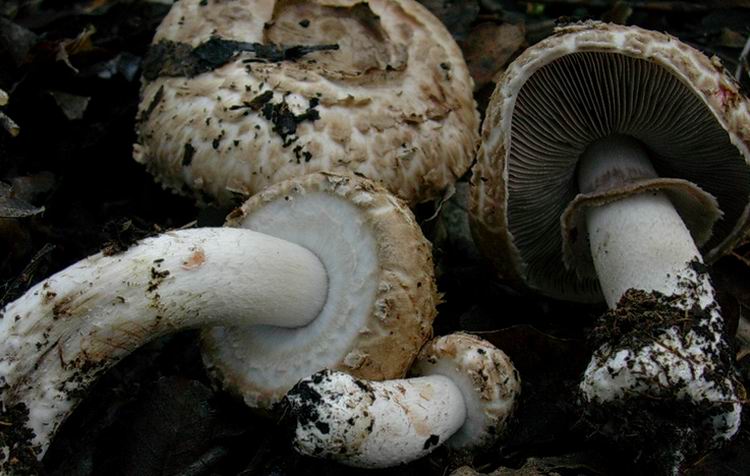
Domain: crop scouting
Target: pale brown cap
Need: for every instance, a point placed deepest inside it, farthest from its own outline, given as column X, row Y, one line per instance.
column 588, row 81
column 392, row 102
column 381, row 289
column 487, row 379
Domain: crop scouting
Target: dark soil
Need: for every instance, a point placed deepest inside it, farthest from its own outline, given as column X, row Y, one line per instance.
column 676, row 429
column 72, row 71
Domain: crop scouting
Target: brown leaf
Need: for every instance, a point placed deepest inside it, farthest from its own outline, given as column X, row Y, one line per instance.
column 489, row 48
column 456, row 15
column 71, row 47
column 731, row 38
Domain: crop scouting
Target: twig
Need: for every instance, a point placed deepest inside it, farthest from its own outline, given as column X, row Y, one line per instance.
column 5, row 121
column 9, row 125
column 743, row 63
column 14, row 288
column 738, row 256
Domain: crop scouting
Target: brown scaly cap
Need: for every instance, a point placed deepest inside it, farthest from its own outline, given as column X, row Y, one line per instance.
column 398, row 300
column 387, row 96
column 587, row 81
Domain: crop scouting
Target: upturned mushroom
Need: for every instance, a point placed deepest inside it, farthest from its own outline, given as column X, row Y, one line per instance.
column 614, row 162
column 328, row 267
column 461, row 394
column 239, row 95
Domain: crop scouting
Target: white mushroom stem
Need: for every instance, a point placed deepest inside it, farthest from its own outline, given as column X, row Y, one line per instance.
column 70, row 327
column 462, row 393
column 375, row 424
column 641, row 242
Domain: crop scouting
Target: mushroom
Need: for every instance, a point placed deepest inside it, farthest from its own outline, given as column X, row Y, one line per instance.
column 614, row 161
column 461, row 394
column 239, row 95
column 323, row 271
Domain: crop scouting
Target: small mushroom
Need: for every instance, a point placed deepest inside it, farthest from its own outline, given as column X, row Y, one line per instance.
column 239, row 95
column 461, row 394
column 331, row 272
column 615, row 160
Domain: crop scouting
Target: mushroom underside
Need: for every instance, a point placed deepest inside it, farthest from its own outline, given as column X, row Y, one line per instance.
column 381, row 293
column 577, row 99
column 268, row 357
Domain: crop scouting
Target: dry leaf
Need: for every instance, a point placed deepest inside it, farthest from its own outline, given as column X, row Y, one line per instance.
column 71, row 105
column 489, row 48
column 71, row 47
column 12, row 207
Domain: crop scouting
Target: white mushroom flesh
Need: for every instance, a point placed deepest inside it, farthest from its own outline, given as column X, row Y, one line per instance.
column 382, row 292
column 269, row 356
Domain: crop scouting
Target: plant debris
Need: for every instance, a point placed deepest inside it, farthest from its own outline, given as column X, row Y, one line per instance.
column 124, row 233
column 14, row 207
column 285, row 121
column 640, row 316
column 6, row 122
column 18, row 438
column 71, row 105
column 169, row 58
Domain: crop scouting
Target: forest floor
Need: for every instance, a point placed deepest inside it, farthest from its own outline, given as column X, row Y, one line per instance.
column 69, row 187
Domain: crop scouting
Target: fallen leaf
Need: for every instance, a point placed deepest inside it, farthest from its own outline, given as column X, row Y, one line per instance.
column 13, row 207
column 731, row 38
column 456, row 15
column 15, row 41
column 31, row 187
column 489, row 48
column 174, row 425
column 71, row 47
column 71, row 105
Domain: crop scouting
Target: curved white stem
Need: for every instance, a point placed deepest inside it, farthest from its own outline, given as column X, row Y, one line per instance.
column 375, row 424
column 67, row 329
column 641, row 242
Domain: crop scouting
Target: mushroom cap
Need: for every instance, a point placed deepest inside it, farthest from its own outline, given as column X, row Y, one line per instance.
column 381, row 289
column 486, row 377
column 393, row 102
column 589, row 81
